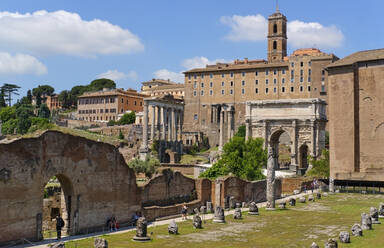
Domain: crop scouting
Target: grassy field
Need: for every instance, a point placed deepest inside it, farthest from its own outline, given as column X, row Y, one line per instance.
column 295, row 227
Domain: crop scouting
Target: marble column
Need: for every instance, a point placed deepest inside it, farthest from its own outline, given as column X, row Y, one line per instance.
column 266, row 142
column 313, row 138
column 294, row 147
column 221, row 134
column 169, row 125
column 173, row 125
column 144, row 144
column 153, row 122
column 181, row 124
column 158, row 126
column 271, row 185
column 163, row 123
column 229, row 124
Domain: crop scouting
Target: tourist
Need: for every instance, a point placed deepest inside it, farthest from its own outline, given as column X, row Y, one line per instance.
column 113, row 224
column 184, row 211
column 59, row 225
column 135, row 217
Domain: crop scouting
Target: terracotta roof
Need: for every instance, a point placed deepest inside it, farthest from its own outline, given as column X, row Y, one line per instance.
column 162, row 81
column 166, row 87
column 114, row 92
column 359, row 57
column 232, row 66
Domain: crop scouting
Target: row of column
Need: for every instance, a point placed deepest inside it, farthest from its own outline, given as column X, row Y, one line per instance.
column 169, row 123
column 229, row 130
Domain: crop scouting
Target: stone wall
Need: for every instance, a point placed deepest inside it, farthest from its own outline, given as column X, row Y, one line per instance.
column 288, row 185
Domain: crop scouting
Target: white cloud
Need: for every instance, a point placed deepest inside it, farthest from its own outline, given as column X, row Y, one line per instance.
column 20, row 64
column 246, row 28
column 313, row 34
column 300, row 34
column 117, row 75
column 63, row 32
column 177, row 77
column 200, row 62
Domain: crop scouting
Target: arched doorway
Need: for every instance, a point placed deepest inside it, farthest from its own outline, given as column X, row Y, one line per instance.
column 57, row 200
column 281, row 142
column 303, row 159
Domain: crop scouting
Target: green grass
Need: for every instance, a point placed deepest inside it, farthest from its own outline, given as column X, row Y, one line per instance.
column 193, row 159
column 295, row 227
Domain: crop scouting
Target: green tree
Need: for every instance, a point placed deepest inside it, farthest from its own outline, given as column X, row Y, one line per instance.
column 38, row 99
column 9, row 127
column 241, row 158
column 2, row 98
column 24, row 114
column 29, row 97
column 38, row 123
column 320, row 166
column 7, row 113
column 43, row 90
column 128, row 118
column 240, row 131
column 147, row 166
column 44, row 111
column 67, row 99
column 100, row 84
column 9, row 90
column 121, row 135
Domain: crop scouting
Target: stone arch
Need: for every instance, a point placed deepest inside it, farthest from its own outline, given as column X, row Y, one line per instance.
column 303, row 158
column 96, row 175
column 274, row 141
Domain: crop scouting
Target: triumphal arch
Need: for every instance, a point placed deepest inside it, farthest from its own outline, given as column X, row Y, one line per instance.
column 303, row 120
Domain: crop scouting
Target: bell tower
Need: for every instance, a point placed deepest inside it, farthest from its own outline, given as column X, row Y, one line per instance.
column 277, row 37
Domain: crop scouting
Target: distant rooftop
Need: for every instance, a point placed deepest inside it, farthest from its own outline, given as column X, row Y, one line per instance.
column 161, row 81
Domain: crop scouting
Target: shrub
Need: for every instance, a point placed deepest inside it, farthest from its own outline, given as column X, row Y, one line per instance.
column 147, row 166
column 320, row 166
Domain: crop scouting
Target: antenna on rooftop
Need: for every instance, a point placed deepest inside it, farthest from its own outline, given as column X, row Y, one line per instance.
column 277, row 6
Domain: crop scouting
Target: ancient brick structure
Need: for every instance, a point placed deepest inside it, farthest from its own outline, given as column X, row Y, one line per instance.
column 94, row 177
column 356, row 117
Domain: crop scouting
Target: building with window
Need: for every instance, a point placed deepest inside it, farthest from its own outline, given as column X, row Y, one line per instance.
column 52, row 101
column 108, row 104
column 296, row 76
column 160, row 87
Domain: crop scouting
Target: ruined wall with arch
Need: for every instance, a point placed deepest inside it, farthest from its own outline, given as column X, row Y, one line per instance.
column 94, row 177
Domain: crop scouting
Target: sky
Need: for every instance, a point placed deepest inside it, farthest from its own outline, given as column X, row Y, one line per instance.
column 65, row 43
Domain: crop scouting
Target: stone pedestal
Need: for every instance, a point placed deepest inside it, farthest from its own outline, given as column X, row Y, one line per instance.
column 253, row 209
column 141, row 230
column 219, row 215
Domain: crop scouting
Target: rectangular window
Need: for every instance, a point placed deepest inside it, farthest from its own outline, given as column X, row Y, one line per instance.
column 194, row 76
column 283, row 71
column 266, row 90
column 301, row 88
column 309, row 63
column 301, row 72
column 195, row 117
column 256, row 73
column 101, row 111
column 283, row 80
column 222, row 84
column 243, row 91
column 231, row 74
column 202, row 85
column 222, row 92
column 243, row 74
column 301, row 63
column 275, row 72
column 211, row 75
column 257, row 82
column 309, row 72
column 266, row 72
column 189, row 76
column 257, row 91
column 106, row 110
column 309, row 88
column 122, row 100
column 135, row 103
column 292, row 75
column 231, row 83
column 292, row 64
column 292, row 89
column 283, row 89
column 211, row 84
column 211, row 92
column 274, row 90
column 202, row 93
column 195, row 85
column 274, row 81
column 309, row 79
column 222, row 75
column 266, row 81
column 301, row 79
column 243, row 83
column 194, row 93
column 202, row 75
column 231, row 92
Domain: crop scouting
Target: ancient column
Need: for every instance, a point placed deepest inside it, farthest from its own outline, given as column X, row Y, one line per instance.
column 158, row 136
column 144, row 145
column 173, row 125
column 221, row 134
column 271, row 178
column 153, row 122
column 169, row 125
column 313, row 138
column 294, row 145
column 229, row 124
column 163, row 123
column 181, row 124
column 248, row 122
column 266, row 143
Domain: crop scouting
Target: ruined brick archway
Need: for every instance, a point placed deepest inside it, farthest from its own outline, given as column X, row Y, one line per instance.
column 93, row 174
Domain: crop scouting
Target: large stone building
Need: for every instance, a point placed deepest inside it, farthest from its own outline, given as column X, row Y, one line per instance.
column 356, row 103
column 52, row 101
column 160, row 87
column 108, row 104
column 226, row 87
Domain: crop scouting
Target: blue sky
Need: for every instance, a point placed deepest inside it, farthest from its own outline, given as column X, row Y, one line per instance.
column 69, row 42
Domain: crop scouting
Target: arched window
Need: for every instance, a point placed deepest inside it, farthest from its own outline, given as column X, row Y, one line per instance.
column 274, row 45
column 275, row 28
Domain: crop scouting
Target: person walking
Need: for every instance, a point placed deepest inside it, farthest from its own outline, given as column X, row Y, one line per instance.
column 59, row 225
column 184, row 211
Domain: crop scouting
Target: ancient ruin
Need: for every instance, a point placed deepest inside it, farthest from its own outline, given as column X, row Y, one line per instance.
column 141, row 230
column 219, row 215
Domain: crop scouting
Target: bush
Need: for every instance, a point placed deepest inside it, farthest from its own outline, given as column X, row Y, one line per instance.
column 38, row 123
column 241, row 131
column 147, row 166
column 241, row 158
column 128, row 118
column 9, row 127
column 320, row 167
column 121, row 135
column 111, row 123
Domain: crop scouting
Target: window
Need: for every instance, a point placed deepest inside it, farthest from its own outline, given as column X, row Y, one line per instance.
column 301, row 63
column 106, row 110
column 275, row 28
column 292, row 75
column 101, row 111
column 256, row 73
column 309, row 72
column 283, row 89
column 135, row 103
column 222, row 92
column 309, row 63
column 309, row 88
column 257, row 82
column 194, row 93
column 211, row 84
column 231, row 74
column 274, row 81
column 202, row 85
column 309, row 79
column 243, row 83
column 275, row 72
column 322, row 87
column 222, row 84
column 122, row 100
column 266, row 81
column 301, row 88
column 211, row 92
column 301, row 72
column 266, row 72
column 195, row 85
column 195, row 117
column 202, row 75
column 274, row 45
column 292, row 64
column 222, row 75
column 202, row 93
column 211, row 75
column 231, row 83
column 283, row 80
column 266, row 90
column 283, row 71
column 301, row 79
column 122, row 110
column 292, row 89
column 243, row 91
column 231, row 92
column 189, row 76
column 274, row 90
column 243, row 74
column 257, row 91
column 194, row 76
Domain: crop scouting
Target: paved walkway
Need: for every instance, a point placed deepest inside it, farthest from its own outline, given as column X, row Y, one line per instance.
column 45, row 243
